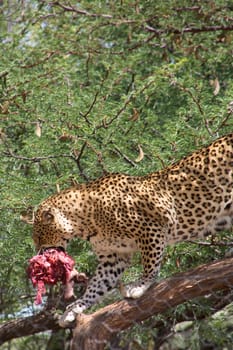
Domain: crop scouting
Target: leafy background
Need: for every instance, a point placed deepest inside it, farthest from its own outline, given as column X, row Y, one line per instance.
column 88, row 88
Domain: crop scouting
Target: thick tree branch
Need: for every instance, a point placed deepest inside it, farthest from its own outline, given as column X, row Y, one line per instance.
column 43, row 321
column 96, row 330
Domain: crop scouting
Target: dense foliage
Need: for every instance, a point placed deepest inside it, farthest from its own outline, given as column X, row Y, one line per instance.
column 88, row 88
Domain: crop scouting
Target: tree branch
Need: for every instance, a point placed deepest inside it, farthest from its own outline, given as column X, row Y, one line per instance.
column 43, row 321
column 77, row 157
column 95, row 331
column 11, row 154
column 127, row 159
column 189, row 29
column 85, row 115
column 79, row 11
column 212, row 243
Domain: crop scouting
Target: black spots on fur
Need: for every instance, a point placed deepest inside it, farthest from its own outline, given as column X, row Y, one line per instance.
column 228, row 206
column 189, row 199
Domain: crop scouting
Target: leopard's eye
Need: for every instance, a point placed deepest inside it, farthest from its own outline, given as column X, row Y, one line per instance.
column 47, row 217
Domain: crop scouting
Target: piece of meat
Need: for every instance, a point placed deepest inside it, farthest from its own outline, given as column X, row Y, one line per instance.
column 51, row 267
column 77, row 277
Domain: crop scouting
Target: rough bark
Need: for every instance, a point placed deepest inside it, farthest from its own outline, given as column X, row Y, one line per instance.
column 96, row 330
column 43, row 321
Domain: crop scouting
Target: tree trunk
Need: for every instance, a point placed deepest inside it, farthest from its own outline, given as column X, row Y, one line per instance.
column 95, row 331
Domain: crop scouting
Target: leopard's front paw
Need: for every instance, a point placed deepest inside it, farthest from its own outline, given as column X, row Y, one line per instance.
column 133, row 290
column 69, row 316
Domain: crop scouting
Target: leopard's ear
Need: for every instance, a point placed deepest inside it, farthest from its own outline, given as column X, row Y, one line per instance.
column 27, row 215
column 47, row 217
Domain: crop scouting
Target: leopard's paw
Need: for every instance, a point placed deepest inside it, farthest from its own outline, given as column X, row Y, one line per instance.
column 133, row 290
column 69, row 316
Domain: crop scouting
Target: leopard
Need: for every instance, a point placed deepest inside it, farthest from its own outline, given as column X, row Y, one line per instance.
column 121, row 214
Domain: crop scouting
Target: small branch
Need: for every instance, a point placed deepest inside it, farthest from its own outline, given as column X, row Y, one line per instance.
column 188, row 29
column 11, row 154
column 99, row 157
column 212, row 243
column 161, row 160
column 225, row 119
column 79, row 11
column 78, row 154
column 105, row 123
column 49, row 55
column 197, row 103
column 85, row 115
column 77, row 157
column 127, row 159
column 187, row 8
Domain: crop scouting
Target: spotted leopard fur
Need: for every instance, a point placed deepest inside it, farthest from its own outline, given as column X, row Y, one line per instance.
column 121, row 214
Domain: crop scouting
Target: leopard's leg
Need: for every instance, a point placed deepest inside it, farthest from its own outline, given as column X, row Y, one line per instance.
column 109, row 270
column 151, row 246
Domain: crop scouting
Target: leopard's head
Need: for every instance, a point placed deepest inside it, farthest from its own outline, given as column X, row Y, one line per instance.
column 51, row 228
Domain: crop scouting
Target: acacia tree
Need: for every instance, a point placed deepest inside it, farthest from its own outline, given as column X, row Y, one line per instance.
column 90, row 88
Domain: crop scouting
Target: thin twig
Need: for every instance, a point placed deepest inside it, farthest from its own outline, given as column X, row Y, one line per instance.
column 46, row 58
column 99, row 157
column 85, row 115
column 127, row 159
column 224, row 121
column 77, row 157
column 197, row 103
column 10, row 154
column 188, row 29
column 71, row 8
column 212, row 243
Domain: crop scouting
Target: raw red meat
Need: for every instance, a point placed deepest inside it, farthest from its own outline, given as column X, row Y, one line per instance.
column 51, row 267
